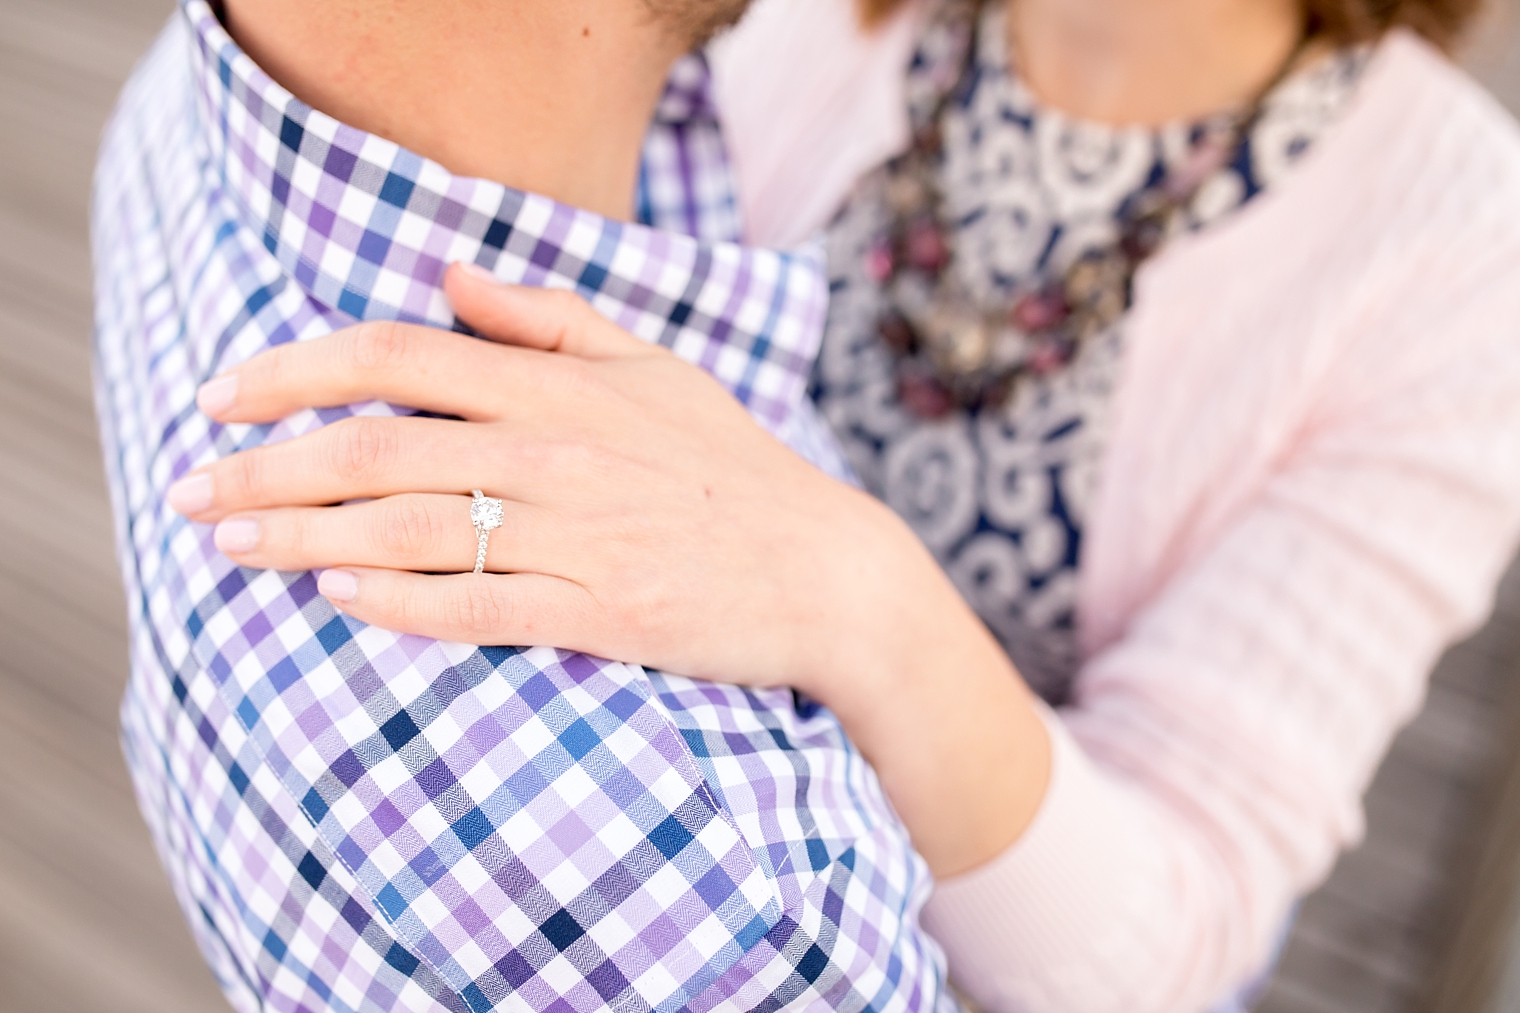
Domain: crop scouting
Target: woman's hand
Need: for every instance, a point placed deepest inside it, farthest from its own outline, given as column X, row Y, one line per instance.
column 647, row 518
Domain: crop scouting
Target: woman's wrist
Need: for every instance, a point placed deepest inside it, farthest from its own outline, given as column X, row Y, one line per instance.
column 931, row 699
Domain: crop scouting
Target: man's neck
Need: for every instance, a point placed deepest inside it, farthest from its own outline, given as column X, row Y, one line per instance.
column 1150, row 61
column 552, row 96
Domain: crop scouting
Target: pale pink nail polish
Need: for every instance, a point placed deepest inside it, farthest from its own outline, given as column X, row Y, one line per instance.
column 218, row 394
column 239, row 535
column 338, row 585
column 477, row 272
column 191, row 494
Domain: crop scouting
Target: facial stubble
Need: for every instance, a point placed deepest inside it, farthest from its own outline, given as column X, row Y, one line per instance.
column 697, row 21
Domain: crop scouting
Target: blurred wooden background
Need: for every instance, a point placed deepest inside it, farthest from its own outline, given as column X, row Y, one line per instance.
column 1421, row 918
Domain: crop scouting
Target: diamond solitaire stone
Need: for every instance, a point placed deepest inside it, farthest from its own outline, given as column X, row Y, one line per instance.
column 486, row 513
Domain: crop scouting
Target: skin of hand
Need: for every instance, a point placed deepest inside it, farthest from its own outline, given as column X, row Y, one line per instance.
column 647, row 518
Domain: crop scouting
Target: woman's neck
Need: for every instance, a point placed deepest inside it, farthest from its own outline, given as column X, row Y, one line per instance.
column 552, row 96
column 1149, row 62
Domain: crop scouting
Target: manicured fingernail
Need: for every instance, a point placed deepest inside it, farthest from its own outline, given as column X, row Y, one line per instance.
column 218, row 394
column 191, row 494
column 338, row 585
column 241, row 535
column 477, row 272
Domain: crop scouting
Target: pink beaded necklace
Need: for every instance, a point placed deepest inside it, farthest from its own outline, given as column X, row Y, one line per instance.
column 951, row 354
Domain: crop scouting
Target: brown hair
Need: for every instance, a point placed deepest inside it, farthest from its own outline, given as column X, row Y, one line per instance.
column 1342, row 21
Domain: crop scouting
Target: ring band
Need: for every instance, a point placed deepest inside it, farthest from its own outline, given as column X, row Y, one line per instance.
column 487, row 514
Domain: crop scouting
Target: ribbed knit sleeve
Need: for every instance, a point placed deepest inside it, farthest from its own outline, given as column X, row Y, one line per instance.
column 1312, row 487
column 1214, row 765
column 1357, row 496
column 1063, row 901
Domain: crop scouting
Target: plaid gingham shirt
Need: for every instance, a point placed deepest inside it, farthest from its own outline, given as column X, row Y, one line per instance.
column 358, row 820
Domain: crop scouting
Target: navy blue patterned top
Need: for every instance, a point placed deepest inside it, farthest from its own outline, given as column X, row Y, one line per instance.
column 1001, row 495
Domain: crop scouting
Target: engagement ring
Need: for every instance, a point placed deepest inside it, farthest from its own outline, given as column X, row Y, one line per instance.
column 486, row 514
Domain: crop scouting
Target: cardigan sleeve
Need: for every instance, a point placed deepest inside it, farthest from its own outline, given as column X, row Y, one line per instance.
column 1213, row 763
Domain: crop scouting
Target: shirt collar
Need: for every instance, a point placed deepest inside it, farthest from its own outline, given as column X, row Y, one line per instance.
column 367, row 227
column 688, row 94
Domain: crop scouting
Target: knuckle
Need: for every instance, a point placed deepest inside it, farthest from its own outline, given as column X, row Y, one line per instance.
column 361, row 448
column 262, row 372
column 569, row 312
column 591, row 457
column 560, row 458
column 287, row 534
column 642, row 612
column 478, row 611
column 273, row 369
column 408, row 530
column 239, row 477
column 570, row 376
column 379, row 347
column 567, row 305
column 403, row 612
column 571, row 379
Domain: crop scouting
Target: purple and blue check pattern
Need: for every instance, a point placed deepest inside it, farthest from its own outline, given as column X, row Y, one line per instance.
column 355, row 820
column 684, row 182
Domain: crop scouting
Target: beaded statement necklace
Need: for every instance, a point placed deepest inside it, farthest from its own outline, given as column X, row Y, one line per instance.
column 952, row 354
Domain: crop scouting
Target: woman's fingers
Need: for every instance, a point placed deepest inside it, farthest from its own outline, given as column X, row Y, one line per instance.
column 546, row 319
column 423, row 532
column 356, row 458
column 426, row 368
column 482, row 609
column 421, row 367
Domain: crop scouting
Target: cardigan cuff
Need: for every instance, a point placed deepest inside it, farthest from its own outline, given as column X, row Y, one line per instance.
column 1011, row 926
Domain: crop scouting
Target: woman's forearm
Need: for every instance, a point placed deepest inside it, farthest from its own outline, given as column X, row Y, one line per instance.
column 934, row 703
column 960, row 749
column 737, row 561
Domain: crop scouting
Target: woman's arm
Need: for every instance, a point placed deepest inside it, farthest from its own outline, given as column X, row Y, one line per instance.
column 1215, row 759
column 1213, row 765
column 647, row 518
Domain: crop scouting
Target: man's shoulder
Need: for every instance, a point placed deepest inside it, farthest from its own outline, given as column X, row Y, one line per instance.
column 153, row 107
column 150, row 184
column 534, row 821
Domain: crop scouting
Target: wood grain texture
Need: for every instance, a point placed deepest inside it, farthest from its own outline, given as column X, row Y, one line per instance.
column 1387, row 929
column 87, row 922
column 86, row 919
column 1419, row 918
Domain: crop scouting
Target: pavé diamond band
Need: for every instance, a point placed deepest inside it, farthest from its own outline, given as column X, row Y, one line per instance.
column 486, row 514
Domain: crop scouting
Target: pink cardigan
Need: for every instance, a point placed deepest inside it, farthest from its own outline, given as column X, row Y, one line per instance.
column 1312, row 487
